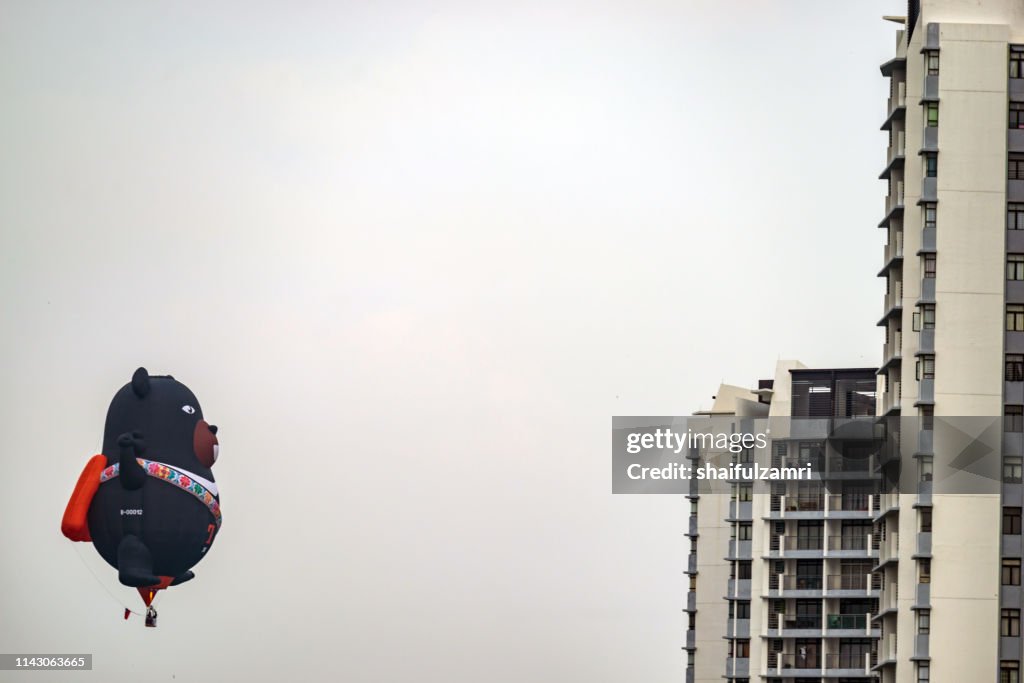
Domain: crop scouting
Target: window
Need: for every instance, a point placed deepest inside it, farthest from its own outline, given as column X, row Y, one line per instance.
column 926, row 520
column 923, row 318
column 924, row 621
column 1009, row 623
column 1016, row 114
column 931, row 61
column 742, row 609
column 692, row 618
column 1014, row 367
column 928, row 316
column 1009, row 671
column 693, row 507
column 931, row 114
column 926, row 367
column 1011, row 521
column 746, row 530
column 931, row 163
column 1015, row 166
column 743, row 572
column 1016, row 59
column 1015, row 317
column 927, row 414
column 1015, row 216
column 1013, row 469
column 1011, row 571
column 924, row 571
column 926, row 466
column 929, row 265
column 923, row 672
column 1015, row 266
column 1013, row 418
column 745, row 492
column 928, row 209
column 742, row 648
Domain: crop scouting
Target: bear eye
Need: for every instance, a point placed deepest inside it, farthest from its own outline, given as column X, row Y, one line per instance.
column 189, row 410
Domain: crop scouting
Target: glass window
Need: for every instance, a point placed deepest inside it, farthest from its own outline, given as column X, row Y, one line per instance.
column 1015, row 317
column 1009, row 671
column 932, row 114
column 746, row 530
column 1016, row 115
column 924, row 621
column 1013, row 469
column 929, row 210
column 927, row 414
column 926, row 367
column 929, row 265
column 1011, row 571
column 926, row 465
column 924, row 571
column 931, row 60
column 926, row 520
column 923, row 672
column 1015, row 216
column 1013, row 418
column 931, row 164
column 1015, row 266
column 1011, row 521
column 1016, row 58
column 1014, row 367
column 1015, row 166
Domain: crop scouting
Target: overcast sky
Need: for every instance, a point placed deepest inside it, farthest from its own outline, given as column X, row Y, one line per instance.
column 412, row 257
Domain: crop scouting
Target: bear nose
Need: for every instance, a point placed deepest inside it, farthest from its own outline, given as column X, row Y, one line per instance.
column 213, row 428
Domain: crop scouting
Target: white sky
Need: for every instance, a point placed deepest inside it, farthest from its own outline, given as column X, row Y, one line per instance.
column 412, row 257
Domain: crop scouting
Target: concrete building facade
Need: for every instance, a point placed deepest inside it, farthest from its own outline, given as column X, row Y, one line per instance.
column 922, row 584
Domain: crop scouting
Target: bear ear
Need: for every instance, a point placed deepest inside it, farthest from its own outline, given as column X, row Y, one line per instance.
column 140, row 382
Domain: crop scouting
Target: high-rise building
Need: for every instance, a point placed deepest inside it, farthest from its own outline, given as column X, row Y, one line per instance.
column 781, row 575
column 924, row 583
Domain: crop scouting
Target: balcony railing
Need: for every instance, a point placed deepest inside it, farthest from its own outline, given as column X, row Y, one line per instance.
column 850, row 582
column 851, row 660
column 791, row 582
column 847, row 621
column 804, row 503
column 850, row 503
column 849, row 542
column 804, row 542
column 790, row 660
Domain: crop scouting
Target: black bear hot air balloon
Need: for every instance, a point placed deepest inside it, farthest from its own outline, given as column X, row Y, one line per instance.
column 149, row 502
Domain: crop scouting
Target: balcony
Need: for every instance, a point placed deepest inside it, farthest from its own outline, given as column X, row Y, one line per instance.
column 797, row 586
column 886, row 651
column 860, row 546
column 849, row 664
column 897, row 105
column 848, row 625
column 891, row 398
column 859, row 506
column 795, row 626
column 852, row 585
column 896, row 155
column 889, row 548
column 893, row 203
column 794, row 664
column 892, row 305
